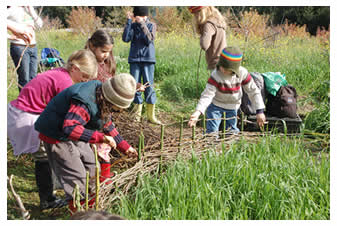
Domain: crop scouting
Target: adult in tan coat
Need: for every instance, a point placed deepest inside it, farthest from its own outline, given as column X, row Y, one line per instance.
column 211, row 26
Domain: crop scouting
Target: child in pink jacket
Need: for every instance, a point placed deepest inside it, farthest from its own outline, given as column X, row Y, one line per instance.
column 32, row 100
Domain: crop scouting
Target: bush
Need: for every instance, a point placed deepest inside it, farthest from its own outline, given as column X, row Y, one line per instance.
column 51, row 23
column 117, row 17
column 170, row 19
column 83, row 20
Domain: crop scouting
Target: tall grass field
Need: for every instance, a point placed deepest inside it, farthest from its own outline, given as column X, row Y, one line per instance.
column 275, row 177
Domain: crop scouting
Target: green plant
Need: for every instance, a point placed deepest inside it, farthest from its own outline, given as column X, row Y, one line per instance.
column 117, row 16
column 274, row 179
column 169, row 19
column 83, row 20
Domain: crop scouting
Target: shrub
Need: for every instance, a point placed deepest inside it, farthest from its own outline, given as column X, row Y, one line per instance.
column 117, row 17
column 169, row 19
column 51, row 23
column 83, row 20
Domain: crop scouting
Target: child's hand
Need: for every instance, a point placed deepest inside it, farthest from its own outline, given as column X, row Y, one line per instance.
column 24, row 32
column 141, row 88
column 129, row 15
column 139, row 19
column 110, row 141
column 260, row 119
column 131, row 152
column 194, row 118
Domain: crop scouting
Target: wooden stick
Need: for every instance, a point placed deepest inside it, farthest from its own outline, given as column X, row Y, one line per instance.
column 161, row 146
column 193, row 136
column 181, row 133
column 87, row 192
column 224, row 125
column 143, row 142
column 19, row 63
column 97, row 178
column 162, row 137
column 204, row 123
column 140, row 147
column 77, row 198
column 197, row 82
column 24, row 213
column 242, row 121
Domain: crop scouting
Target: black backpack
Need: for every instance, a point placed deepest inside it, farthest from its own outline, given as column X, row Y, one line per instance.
column 283, row 104
column 246, row 105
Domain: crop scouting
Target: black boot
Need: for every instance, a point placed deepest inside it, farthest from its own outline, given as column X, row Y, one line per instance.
column 44, row 182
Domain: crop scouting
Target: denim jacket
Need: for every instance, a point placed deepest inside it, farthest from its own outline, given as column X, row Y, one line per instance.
column 142, row 37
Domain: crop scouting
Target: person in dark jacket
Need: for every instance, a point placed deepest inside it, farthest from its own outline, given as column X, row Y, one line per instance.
column 75, row 118
column 142, row 58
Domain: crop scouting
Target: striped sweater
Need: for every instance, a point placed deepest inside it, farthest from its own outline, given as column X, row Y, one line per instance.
column 225, row 91
column 73, row 127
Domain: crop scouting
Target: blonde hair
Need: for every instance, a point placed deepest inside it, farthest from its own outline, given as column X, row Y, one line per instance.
column 85, row 60
column 206, row 13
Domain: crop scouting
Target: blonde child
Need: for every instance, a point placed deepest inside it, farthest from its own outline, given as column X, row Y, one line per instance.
column 223, row 93
column 32, row 100
column 211, row 26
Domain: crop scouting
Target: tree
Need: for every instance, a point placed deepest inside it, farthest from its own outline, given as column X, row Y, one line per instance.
column 61, row 12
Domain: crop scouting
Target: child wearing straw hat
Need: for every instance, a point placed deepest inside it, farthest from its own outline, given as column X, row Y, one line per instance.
column 223, row 93
column 78, row 115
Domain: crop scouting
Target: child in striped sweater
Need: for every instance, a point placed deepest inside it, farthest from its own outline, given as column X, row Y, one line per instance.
column 79, row 114
column 223, row 93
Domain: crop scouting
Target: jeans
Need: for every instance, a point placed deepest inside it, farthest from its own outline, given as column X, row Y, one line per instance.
column 215, row 112
column 28, row 66
column 145, row 71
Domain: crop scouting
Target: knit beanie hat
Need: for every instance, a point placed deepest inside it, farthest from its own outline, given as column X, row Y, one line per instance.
column 140, row 11
column 230, row 58
column 194, row 9
column 120, row 90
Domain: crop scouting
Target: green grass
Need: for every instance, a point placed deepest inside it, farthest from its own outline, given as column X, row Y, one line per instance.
column 275, row 179
column 25, row 186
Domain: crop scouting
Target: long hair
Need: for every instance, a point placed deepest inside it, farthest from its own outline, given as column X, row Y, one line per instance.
column 104, row 105
column 100, row 38
column 205, row 14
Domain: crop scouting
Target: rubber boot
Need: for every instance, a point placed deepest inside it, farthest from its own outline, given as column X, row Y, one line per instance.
column 105, row 172
column 151, row 114
column 44, row 182
column 137, row 111
column 73, row 209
